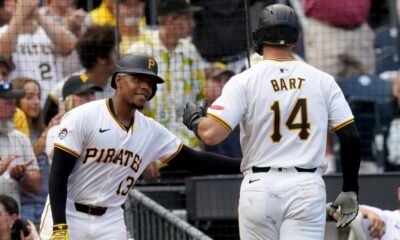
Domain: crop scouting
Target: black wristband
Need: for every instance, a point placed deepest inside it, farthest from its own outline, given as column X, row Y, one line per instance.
column 195, row 126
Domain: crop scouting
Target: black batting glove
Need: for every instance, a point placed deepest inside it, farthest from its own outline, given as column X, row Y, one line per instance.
column 192, row 115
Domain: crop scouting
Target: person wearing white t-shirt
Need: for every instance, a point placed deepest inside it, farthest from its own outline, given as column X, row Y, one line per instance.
column 33, row 41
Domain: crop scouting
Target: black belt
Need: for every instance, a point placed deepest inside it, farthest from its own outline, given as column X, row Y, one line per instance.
column 266, row 169
column 90, row 209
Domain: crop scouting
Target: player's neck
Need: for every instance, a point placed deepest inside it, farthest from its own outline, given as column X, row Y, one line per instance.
column 123, row 111
column 270, row 52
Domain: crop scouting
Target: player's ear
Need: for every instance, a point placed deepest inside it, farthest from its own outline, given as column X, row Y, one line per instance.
column 117, row 80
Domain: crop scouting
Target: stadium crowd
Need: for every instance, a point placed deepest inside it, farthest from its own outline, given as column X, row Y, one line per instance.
column 55, row 56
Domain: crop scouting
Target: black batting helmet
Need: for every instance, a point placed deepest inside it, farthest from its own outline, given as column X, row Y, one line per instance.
column 138, row 64
column 278, row 25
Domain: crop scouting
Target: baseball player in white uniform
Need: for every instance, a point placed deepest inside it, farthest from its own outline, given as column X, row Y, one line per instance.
column 102, row 149
column 284, row 108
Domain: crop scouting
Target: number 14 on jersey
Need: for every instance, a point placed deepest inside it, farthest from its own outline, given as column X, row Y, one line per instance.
column 303, row 126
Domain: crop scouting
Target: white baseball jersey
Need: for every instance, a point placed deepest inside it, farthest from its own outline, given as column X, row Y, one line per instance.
column 110, row 158
column 284, row 108
column 35, row 57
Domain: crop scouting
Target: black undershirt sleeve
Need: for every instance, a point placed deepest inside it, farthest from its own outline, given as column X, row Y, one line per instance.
column 202, row 163
column 350, row 156
column 61, row 168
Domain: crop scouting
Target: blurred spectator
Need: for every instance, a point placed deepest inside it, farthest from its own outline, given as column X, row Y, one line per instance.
column 32, row 204
column 75, row 92
column 339, row 41
column 106, row 12
column 65, row 13
column 20, row 122
column 96, row 51
column 75, row 20
column 179, row 64
column 337, row 37
column 130, row 23
column 221, row 34
column 216, row 77
column 22, row 170
column 396, row 83
column 393, row 143
column 11, row 226
column 5, row 13
column 30, row 105
column 34, row 41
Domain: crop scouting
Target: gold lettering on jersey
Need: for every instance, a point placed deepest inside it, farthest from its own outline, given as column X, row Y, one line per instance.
column 136, row 163
column 109, row 155
column 101, row 155
column 121, row 157
column 118, row 158
column 90, row 153
column 128, row 155
column 286, row 85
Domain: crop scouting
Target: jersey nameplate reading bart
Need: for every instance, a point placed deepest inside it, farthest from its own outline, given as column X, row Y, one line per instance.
column 282, row 85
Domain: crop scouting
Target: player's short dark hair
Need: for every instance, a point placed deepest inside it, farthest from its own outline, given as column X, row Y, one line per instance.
column 96, row 42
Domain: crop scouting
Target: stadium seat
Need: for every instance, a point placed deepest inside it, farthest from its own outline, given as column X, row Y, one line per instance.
column 386, row 53
column 370, row 99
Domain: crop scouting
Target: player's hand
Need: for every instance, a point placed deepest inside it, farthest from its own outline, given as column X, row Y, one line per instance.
column 193, row 113
column 60, row 232
column 347, row 205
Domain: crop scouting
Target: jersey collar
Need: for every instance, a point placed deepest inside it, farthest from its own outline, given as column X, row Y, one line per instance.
column 111, row 110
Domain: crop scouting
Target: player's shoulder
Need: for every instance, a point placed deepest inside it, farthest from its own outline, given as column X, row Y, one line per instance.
column 146, row 121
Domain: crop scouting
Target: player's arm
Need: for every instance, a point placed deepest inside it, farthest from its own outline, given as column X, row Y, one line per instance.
column 208, row 129
column 61, row 168
column 198, row 162
column 350, row 156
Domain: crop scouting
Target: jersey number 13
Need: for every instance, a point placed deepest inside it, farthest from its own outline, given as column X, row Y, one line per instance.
column 302, row 124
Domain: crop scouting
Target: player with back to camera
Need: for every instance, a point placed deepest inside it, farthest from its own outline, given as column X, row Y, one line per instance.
column 284, row 108
column 102, row 149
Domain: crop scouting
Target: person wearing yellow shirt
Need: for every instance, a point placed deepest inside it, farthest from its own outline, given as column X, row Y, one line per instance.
column 21, row 122
column 131, row 20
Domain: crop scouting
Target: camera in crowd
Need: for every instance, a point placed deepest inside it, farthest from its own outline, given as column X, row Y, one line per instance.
column 20, row 226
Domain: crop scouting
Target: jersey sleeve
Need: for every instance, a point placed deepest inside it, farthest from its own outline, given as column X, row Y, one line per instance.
column 230, row 106
column 70, row 138
column 168, row 145
column 339, row 112
column 51, row 137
